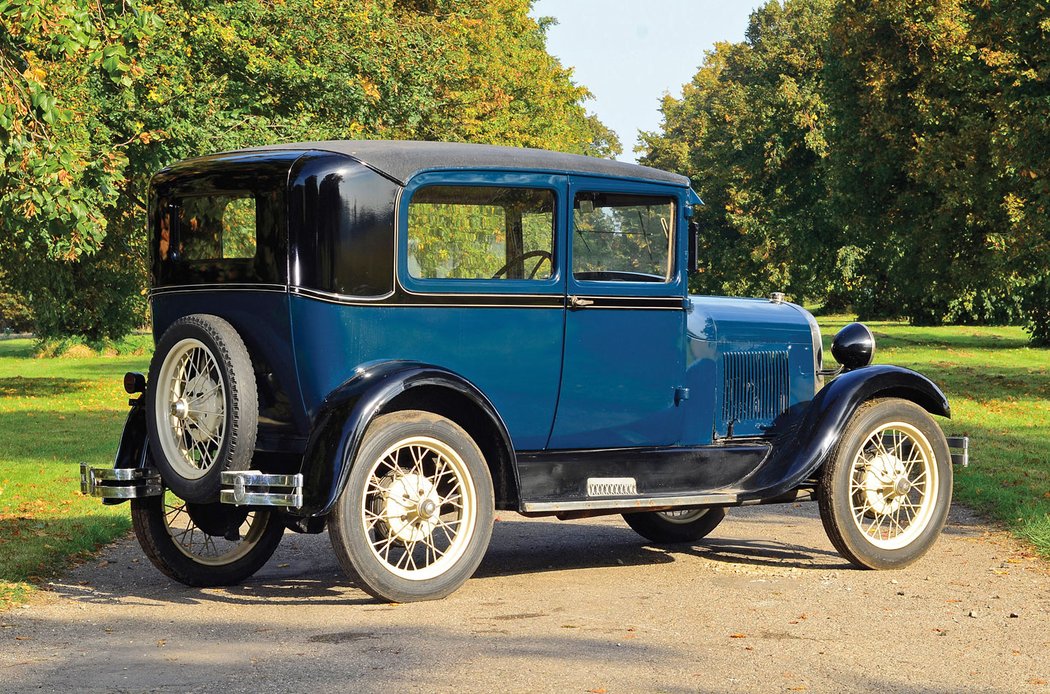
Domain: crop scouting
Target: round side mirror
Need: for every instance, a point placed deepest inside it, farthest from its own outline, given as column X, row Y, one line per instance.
column 854, row 346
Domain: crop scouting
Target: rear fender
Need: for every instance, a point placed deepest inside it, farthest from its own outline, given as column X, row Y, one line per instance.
column 344, row 417
column 804, row 446
column 132, row 451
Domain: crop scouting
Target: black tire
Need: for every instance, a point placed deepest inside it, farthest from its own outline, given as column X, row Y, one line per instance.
column 382, row 515
column 906, row 485
column 675, row 527
column 192, row 449
column 159, row 527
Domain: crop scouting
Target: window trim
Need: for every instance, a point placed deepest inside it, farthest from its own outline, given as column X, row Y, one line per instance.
column 176, row 223
column 673, row 234
column 554, row 285
column 677, row 286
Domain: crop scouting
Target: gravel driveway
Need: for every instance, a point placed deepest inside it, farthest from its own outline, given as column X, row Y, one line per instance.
column 587, row 606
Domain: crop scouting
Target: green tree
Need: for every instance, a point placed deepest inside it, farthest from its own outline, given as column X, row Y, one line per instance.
column 914, row 180
column 750, row 132
column 100, row 94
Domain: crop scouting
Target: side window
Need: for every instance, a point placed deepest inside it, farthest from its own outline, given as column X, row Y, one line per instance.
column 214, row 227
column 623, row 238
column 481, row 232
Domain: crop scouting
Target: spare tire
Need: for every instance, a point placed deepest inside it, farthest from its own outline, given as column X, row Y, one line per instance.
column 202, row 406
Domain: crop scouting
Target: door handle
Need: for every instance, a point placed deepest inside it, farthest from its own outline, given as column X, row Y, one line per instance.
column 579, row 302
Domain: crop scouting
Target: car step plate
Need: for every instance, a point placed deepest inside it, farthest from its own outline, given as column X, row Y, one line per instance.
column 612, row 486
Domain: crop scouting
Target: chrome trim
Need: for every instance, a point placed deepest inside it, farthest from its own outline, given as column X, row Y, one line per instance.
column 119, row 483
column 959, row 446
column 220, row 286
column 638, row 503
column 255, row 488
column 336, row 297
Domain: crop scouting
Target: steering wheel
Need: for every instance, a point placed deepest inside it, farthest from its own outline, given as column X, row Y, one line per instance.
column 521, row 258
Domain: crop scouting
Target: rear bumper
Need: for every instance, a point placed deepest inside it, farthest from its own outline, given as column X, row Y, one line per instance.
column 119, row 483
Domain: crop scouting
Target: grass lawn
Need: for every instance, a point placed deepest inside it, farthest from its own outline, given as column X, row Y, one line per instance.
column 55, row 413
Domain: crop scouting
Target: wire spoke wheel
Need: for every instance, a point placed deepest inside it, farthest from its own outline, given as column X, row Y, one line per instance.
column 415, row 517
column 893, row 485
column 207, row 544
column 886, row 488
column 193, row 396
column 419, row 508
column 202, row 406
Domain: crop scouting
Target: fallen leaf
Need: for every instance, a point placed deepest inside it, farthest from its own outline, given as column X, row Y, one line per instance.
column 738, row 636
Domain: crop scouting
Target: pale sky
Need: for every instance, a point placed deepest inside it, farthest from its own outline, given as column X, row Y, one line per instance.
column 629, row 53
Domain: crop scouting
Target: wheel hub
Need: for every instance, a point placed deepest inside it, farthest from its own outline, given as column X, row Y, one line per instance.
column 409, row 507
column 179, row 409
column 885, row 483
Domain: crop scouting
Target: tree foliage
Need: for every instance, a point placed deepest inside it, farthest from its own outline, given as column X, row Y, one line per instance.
column 889, row 153
column 99, row 94
column 750, row 130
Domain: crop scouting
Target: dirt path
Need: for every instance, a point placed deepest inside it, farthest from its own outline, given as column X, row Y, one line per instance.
column 586, row 607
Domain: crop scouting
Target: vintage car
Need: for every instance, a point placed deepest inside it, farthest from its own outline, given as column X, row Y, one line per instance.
column 392, row 340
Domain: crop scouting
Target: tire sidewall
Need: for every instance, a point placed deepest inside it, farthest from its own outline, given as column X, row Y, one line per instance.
column 835, row 496
column 349, row 538
column 654, row 527
column 241, row 406
column 151, row 530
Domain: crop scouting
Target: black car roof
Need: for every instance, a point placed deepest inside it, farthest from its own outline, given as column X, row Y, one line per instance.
column 402, row 159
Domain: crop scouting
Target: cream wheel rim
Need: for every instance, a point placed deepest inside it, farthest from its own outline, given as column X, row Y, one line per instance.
column 191, row 409
column 419, row 508
column 893, row 485
column 682, row 516
column 210, row 550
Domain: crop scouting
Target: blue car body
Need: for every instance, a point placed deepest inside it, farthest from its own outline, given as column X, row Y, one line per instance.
column 561, row 379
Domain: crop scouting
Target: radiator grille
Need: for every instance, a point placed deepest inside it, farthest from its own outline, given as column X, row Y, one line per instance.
column 756, row 385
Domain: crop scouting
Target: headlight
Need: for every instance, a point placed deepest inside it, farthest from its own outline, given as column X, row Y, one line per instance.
column 854, row 346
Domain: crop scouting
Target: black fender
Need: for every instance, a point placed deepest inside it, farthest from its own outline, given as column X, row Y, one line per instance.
column 346, row 412
column 132, row 451
column 805, row 444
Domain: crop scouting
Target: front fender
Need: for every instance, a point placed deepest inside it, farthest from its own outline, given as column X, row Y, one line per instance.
column 346, row 412
column 805, row 445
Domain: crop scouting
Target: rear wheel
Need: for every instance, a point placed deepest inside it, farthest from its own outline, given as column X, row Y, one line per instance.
column 202, row 406
column 415, row 517
column 887, row 486
column 676, row 526
column 204, row 544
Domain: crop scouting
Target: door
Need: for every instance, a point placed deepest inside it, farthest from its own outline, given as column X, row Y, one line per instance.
column 624, row 359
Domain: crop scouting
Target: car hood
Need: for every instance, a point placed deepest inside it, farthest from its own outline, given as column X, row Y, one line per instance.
column 756, row 322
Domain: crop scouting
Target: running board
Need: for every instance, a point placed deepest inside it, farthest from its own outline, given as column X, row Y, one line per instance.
column 648, row 503
column 119, row 483
column 255, row 488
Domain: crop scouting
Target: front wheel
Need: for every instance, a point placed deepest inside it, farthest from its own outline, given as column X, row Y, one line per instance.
column 204, row 544
column 415, row 517
column 887, row 486
column 676, row 526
